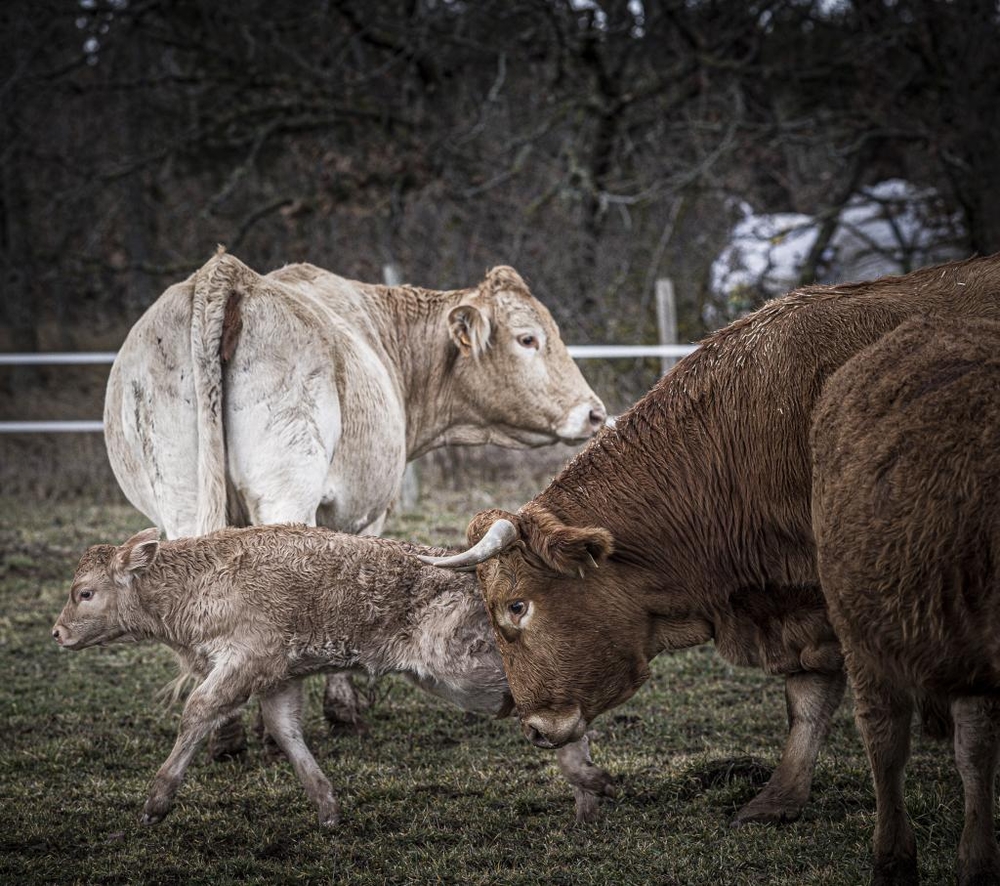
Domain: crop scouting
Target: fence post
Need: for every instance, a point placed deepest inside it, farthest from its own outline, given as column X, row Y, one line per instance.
column 409, row 492
column 666, row 318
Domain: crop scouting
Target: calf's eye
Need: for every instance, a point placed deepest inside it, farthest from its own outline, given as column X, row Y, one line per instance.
column 86, row 595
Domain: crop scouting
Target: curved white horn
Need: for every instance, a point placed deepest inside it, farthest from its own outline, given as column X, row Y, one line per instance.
column 502, row 534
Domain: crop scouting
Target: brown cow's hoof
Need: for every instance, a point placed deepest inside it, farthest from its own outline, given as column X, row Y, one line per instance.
column 154, row 812
column 588, row 806
column 764, row 810
column 983, row 876
column 896, row 872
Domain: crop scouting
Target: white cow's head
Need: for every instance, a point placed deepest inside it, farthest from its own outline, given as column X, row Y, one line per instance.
column 513, row 374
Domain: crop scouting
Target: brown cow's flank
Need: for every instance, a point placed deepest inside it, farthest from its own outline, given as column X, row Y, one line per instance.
column 906, row 482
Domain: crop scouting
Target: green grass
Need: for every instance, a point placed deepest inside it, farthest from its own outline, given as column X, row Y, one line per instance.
column 431, row 795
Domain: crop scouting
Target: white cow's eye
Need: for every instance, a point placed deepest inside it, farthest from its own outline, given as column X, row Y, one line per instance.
column 86, row 595
column 527, row 340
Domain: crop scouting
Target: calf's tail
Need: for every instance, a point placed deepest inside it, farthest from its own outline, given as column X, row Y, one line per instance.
column 216, row 320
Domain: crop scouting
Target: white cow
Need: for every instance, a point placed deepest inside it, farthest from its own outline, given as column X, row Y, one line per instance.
column 299, row 396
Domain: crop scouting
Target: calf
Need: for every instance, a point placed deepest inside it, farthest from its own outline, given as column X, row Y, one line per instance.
column 906, row 481
column 253, row 611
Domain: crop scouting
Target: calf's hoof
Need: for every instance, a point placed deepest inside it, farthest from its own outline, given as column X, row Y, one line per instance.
column 329, row 815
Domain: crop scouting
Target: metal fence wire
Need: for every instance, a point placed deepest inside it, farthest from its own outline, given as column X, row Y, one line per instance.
column 69, row 358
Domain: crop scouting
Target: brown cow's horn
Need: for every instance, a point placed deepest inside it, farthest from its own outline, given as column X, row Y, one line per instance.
column 502, row 534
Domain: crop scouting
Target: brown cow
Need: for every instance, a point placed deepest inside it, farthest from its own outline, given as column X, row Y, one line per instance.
column 690, row 521
column 253, row 611
column 906, row 488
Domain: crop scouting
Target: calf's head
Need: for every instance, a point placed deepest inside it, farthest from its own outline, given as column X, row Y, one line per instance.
column 514, row 373
column 572, row 640
column 101, row 596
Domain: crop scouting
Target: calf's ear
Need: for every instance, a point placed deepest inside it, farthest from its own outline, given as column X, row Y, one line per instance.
column 568, row 550
column 139, row 551
column 469, row 328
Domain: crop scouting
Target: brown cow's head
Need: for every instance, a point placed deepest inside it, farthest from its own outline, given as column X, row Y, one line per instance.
column 100, row 598
column 514, row 374
column 572, row 640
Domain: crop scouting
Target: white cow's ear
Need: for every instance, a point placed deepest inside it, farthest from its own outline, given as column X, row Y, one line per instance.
column 139, row 551
column 469, row 329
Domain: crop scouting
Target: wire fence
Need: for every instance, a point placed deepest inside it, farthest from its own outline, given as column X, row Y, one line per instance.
column 80, row 358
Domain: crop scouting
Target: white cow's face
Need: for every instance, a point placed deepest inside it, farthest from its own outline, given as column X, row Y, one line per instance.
column 515, row 371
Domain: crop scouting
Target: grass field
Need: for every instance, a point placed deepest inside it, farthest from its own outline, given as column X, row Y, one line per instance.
column 431, row 795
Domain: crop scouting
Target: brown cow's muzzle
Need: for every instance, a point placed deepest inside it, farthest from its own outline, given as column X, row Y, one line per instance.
column 552, row 730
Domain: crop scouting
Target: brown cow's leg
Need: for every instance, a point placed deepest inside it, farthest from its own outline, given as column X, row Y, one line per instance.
column 282, row 712
column 589, row 782
column 812, row 698
column 884, row 717
column 977, row 736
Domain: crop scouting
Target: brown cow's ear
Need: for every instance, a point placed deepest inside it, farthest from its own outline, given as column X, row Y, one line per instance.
column 568, row 550
column 138, row 552
column 469, row 329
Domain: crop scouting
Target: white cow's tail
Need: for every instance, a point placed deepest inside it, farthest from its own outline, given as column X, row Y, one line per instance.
column 218, row 291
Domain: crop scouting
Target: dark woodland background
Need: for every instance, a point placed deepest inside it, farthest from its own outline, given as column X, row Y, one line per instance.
column 595, row 146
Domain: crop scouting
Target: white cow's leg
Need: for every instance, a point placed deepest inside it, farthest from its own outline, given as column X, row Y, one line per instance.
column 282, row 711
column 230, row 739
column 210, row 704
column 343, row 707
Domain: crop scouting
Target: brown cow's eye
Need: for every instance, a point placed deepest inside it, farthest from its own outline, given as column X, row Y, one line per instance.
column 517, row 609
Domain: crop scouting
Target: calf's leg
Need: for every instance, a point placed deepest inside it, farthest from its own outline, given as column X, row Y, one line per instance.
column 884, row 715
column 812, row 698
column 282, row 712
column 977, row 736
column 213, row 702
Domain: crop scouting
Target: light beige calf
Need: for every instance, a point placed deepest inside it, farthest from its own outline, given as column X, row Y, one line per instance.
column 253, row 611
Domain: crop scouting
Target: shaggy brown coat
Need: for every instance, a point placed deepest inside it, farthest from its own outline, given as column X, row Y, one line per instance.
column 696, row 508
column 253, row 611
column 906, row 488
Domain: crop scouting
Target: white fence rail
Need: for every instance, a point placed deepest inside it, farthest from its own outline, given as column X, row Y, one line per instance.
column 578, row 352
